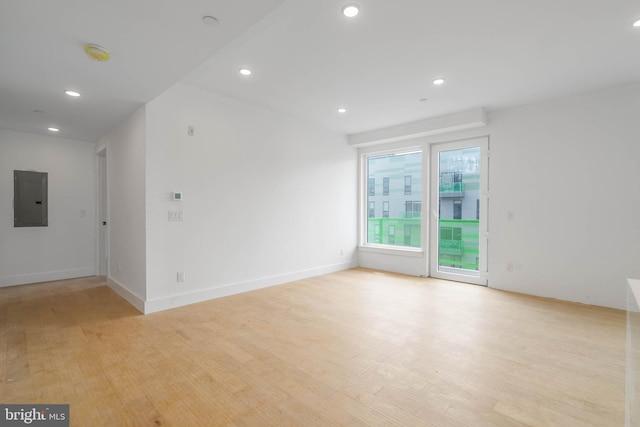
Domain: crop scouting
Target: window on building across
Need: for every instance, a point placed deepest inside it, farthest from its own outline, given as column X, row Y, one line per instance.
column 451, row 182
column 412, row 209
column 457, row 209
column 398, row 220
column 459, row 245
column 407, row 185
column 407, row 236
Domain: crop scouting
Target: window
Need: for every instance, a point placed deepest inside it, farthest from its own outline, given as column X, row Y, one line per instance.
column 391, row 225
column 407, row 185
column 458, row 248
column 450, row 246
column 413, row 209
column 451, row 233
column 457, row 209
column 451, row 182
column 412, row 235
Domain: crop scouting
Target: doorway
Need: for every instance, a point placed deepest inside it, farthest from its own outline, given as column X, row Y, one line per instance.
column 102, row 252
column 459, row 206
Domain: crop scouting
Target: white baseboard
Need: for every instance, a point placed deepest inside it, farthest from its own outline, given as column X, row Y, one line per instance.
column 125, row 293
column 47, row 276
column 180, row 300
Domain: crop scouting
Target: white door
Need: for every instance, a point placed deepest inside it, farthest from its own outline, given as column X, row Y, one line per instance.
column 459, row 206
column 103, row 235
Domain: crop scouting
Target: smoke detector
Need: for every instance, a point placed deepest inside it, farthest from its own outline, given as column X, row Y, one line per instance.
column 97, row 53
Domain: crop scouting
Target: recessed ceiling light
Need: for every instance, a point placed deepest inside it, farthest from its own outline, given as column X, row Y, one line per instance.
column 72, row 93
column 52, row 129
column 245, row 71
column 342, row 110
column 97, row 53
column 210, row 21
column 350, row 10
column 438, row 81
column 637, row 23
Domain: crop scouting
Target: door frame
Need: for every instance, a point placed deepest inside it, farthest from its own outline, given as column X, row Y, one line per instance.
column 102, row 217
column 435, row 149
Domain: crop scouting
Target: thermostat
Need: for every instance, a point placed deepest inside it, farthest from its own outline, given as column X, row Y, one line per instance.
column 177, row 196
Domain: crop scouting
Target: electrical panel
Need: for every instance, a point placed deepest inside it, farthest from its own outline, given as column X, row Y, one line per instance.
column 30, row 199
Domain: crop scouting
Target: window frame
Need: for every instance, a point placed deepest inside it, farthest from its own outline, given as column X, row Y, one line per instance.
column 364, row 195
column 482, row 209
column 409, row 260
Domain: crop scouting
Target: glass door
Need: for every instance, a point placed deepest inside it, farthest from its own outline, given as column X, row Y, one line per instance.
column 459, row 206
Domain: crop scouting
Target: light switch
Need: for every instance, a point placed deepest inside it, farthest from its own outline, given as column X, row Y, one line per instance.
column 175, row 215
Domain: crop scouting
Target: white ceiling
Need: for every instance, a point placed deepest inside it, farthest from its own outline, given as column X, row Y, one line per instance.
column 153, row 43
column 308, row 59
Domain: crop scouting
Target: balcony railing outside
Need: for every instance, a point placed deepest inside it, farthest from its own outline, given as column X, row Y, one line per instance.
column 452, row 187
column 461, row 251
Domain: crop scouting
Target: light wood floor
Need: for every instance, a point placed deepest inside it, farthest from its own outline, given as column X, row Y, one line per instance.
column 353, row 348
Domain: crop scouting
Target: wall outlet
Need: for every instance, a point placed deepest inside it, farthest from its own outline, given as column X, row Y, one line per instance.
column 509, row 266
column 180, row 277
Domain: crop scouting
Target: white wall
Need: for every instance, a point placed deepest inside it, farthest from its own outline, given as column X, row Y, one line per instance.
column 65, row 248
column 267, row 198
column 569, row 171
column 126, row 165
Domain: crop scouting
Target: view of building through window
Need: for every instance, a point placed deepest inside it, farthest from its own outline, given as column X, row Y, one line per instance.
column 459, row 209
column 394, row 199
column 394, row 204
